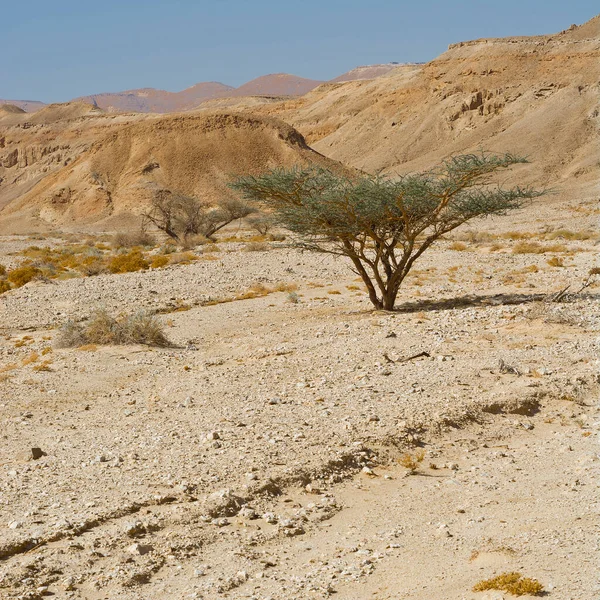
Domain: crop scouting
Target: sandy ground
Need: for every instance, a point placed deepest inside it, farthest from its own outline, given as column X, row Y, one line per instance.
column 258, row 457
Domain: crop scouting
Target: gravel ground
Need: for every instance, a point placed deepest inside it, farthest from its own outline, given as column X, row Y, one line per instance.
column 152, row 456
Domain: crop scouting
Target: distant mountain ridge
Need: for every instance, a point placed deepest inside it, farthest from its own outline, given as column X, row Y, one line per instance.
column 162, row 101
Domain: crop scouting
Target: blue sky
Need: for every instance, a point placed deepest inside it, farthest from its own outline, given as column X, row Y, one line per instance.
column 54, row 51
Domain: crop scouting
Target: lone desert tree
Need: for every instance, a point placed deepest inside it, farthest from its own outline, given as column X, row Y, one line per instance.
column 182, row 216
column 384, row 225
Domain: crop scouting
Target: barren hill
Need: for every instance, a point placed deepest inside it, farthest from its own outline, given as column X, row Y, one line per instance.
column 365, row 72
column 537, row 96
column 278, row 84
column 111, row 170
column 26, row 105
column 158, row 101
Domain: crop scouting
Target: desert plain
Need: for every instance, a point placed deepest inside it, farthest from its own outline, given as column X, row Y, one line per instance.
column 290, row 441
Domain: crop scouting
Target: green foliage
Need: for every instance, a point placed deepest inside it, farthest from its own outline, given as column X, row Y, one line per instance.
column 382, row 224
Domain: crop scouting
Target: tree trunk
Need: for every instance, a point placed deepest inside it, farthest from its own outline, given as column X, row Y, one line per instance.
column 389, row 299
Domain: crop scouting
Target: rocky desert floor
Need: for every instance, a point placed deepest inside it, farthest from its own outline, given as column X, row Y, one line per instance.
column 260, row 456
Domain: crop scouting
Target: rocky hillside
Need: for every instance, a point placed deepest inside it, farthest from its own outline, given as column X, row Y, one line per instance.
column 537, row 96
column 72, row 164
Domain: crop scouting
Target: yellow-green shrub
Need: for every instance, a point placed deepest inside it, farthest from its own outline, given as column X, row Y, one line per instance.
column 126, row 263
column 22, row 275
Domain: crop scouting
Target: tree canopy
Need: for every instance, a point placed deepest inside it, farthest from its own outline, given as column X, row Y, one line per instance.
column 384, row 224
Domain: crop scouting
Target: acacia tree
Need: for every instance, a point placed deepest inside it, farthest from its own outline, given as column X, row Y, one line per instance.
column 383, row 225
column 182, row 216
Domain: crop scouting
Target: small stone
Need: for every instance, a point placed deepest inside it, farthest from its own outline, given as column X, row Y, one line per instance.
column 37, row 453
column 15, row 525
column 275, row 400
column 248, row 513
column 270, row 517
column 213, row 435
column 139, row 549
column 368, row 471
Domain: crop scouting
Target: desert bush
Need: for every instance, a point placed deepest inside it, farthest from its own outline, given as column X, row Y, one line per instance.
column 566, row 234
column 4, row 286
column 383, row 225
column 130, row 239
column 22, row 275
column 158, row 261
column 412, row 460
column 182, row 216
column 2, row 270
column 293, row 297
column 193, row 241
column 92, row 266
column 537, row 248
column 556, row 261
column 260, row 222
column 256, row 247
column 103, row 329
column 126, row 263
column 513, row 583
column 458, row 246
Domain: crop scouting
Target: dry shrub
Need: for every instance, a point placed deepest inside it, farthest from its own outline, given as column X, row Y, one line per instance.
column 2, row 270
column 103, row 329
column 412, row 460
column 458, row 246
column 182, row 258
column 513, row 583
column 192, row 241
column 92, row 266
column 536, row 248
column 556, row 261
column 517, row 235
column 159, row 261
column 277, row 237
column 130, row 239
column 257, row 247
column 22, row 275
column 127, row 263
column 260, row 222
column 566, row 234
column 4, row 286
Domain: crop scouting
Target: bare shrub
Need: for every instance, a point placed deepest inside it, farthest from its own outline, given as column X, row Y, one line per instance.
column 130, row 239
column 257, row 247
column 260, row 222
column 103, row 329
column 181, row 217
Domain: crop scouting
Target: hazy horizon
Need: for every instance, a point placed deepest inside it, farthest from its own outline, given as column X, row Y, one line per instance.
column 56, row 53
